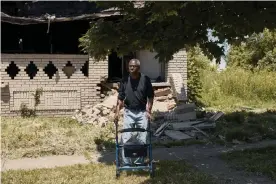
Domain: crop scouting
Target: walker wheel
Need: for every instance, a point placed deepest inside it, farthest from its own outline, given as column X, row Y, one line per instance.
column 117, row 174
column 151, row 173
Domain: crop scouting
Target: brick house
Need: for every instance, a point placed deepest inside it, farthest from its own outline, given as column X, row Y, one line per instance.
column 38, row 53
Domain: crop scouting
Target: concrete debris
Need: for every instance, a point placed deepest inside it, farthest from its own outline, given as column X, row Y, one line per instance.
column 98, row 115
column 161, row 98
column 103, row 113
column 179, row 130
column 177, row 135
column 162, row 92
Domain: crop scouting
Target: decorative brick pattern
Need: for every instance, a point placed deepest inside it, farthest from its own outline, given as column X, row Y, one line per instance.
column 57, row 99
column 61, row 95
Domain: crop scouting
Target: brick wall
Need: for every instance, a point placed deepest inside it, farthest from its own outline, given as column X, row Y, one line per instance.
column 61, row 95
column 178, row 65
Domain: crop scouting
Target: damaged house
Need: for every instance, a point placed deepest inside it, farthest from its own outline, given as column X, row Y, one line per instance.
column 40, row 50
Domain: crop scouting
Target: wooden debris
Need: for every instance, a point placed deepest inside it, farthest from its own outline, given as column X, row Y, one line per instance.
column 204, row 133
column 212, row 119
column 161, row 129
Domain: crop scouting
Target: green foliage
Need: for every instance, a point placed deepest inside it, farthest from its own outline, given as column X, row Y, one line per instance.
column 257, row 52
column 25, row 111
column 167, row 27
column 197, row 62
column 237, row 86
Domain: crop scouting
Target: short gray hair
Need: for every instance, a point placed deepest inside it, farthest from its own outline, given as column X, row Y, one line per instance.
column 136, row 61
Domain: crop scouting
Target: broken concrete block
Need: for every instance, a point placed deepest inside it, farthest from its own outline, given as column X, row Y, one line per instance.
column 186, row 116
column 102, row 121
column 188, row 126
column 184, row 108
column 177, row 135
column 96, row 111
column 170, row 106
column 105, row 112
column 181, row 126
column 162, row 92
column 161, row 98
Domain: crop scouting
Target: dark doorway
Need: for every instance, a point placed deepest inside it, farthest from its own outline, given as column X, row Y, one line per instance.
column 115, row 67
column 118, row 66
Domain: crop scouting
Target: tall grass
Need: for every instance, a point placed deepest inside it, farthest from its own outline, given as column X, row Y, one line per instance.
column 236, row 86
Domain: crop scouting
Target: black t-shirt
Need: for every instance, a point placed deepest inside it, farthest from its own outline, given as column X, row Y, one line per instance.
column 135, row 92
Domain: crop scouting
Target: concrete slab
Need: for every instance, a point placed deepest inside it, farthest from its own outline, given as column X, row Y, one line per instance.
column 184, row 108
column 177, row 135
column 188, row 125
column 186, row 116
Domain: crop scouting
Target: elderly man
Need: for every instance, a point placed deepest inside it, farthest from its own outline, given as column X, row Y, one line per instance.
column 136, row 94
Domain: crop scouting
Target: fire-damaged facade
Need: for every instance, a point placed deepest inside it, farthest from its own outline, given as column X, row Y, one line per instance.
column 40, row 49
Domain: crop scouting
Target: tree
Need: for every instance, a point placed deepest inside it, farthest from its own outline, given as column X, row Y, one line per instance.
column 258, row 51
column 167, row 27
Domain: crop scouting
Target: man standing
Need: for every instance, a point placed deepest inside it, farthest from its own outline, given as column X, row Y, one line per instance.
column 136, row 94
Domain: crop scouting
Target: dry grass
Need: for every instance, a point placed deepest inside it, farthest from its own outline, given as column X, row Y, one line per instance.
column 169, row 172
column 33, row 137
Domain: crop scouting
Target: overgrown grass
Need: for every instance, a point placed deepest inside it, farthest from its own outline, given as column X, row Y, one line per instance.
column 33, row 137
column 41, row 136
column 237, row 87
column 260, row 161
column 166, row 172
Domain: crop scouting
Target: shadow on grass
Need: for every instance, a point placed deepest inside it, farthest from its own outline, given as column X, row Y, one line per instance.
column 175, row 172
column 247, row 126
column 257, row 160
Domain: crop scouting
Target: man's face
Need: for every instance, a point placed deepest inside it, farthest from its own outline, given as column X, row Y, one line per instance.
column 133, row 67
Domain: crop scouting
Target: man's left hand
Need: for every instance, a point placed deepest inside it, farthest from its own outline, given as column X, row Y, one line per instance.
column 148, row 114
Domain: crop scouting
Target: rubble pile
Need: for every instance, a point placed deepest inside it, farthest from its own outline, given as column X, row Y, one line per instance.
column 164, row 95
column 99, row 114
column 102, row 113
column 185, row 124
column 171, row 119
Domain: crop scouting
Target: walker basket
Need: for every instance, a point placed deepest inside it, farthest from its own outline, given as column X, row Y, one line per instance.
column 134, row 151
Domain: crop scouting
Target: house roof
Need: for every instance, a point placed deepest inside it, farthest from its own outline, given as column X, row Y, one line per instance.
column 24, row 13
column 45, row 19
